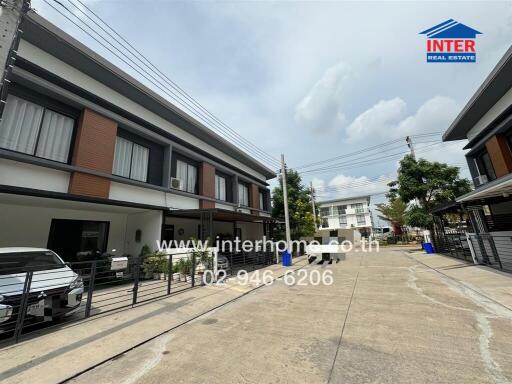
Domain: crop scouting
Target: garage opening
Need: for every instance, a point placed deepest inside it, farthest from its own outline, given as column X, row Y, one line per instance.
column 76, row 240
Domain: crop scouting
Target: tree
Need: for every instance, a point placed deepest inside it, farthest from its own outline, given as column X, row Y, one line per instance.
column 302, row 222
column 427, row 183
column 394, row 212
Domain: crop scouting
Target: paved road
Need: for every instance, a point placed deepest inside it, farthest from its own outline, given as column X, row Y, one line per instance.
column 388, row 318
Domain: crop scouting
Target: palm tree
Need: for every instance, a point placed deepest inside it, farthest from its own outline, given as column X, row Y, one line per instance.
column 394, row 212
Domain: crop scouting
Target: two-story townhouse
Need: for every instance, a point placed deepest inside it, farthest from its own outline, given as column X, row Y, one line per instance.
column 343, row 218
column 486, row 123
column 93, row 160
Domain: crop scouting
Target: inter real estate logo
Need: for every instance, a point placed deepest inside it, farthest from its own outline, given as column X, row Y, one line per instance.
column 451, row 42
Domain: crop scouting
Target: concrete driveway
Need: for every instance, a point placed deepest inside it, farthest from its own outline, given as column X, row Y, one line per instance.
column 390, row 317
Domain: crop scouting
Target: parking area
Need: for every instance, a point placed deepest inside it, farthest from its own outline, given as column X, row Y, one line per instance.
column 388, row 317
column 41, row 292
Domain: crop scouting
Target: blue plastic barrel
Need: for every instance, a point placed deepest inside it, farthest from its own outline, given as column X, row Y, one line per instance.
column 287, row 259
column 428, row 247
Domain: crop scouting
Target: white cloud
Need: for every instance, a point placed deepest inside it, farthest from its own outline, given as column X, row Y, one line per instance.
column 434, row 115
column 320, row 109
column 387, row 119
column 341, row 186
column 378, row 121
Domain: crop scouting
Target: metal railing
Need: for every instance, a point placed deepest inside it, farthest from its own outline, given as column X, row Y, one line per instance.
column 55, row 294
column 493, row 250
column 248, row 261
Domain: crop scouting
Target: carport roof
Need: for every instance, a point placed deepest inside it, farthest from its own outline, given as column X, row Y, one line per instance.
column 220, row 214
column 9, row 190
column 495, row 188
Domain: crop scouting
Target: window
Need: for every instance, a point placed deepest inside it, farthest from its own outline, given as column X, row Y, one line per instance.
column 187, row 173
column 341, row 209
column 325, row 211
column 30, row 128
column 220, row 188
column 264, row 200
column 130, row 160
column 343, row 220
column 361, row 219
column 359, row 207
column 484, row 165
column 325, row 223
column 243, row 194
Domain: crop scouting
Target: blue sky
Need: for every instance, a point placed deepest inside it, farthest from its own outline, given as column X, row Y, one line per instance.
column 314, row 80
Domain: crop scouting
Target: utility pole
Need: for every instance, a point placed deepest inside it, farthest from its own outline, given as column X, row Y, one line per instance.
column 285, row 201
column 408, row 140
column 313, row 202
column 11, row 16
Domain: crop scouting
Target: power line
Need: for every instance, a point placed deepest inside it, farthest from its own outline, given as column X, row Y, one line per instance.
column 368, row 149
column 365, row 162
column 144, row 60
column 266, row 158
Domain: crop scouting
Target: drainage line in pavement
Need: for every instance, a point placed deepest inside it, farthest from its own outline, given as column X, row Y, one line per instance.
column 460, row 282
column 343, row 328
column 117, row 355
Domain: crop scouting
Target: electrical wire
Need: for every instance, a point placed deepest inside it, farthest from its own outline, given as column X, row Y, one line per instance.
column 366, row 162
column 368, row 149
column 264, row 158
column 145, row 61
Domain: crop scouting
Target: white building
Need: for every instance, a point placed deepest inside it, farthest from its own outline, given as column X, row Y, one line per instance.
column 346, row 214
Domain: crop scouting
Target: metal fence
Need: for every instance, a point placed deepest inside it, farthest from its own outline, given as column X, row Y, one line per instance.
column 32, row 294
column 493, row 250
column 247, row 260
column 36, row 296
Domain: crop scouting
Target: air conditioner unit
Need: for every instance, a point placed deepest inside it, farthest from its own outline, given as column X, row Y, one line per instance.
column 176, row 183
column 480, row 180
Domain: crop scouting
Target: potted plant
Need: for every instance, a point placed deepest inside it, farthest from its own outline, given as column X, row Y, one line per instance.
column 163, row 266
column 204, row 262
column 186, row 269
column 176, row 271
column 155, row 265
column 181, row 269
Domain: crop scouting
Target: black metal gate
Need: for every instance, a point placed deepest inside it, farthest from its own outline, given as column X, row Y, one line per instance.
column 450, row 241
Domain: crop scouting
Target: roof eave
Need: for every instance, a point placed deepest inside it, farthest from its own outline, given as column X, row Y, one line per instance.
column 460, row 127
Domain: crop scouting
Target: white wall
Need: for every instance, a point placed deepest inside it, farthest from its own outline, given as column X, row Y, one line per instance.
column 503, row 103
column 131, row 193
column 29, row 226
column 25, row 175
column 189, row 227
column 251, row 231
column 150, row 225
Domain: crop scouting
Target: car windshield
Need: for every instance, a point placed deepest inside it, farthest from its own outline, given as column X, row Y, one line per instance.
column 17, row 262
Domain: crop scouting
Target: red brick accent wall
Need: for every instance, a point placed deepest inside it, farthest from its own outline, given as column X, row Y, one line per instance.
column 89, row 185
column 206, row 184
column 500, row 155
column 94, row 149
column 254, row 198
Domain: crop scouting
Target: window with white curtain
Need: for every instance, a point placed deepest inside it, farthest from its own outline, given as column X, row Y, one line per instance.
column 131, row 160
column 243, row 194
column 220, row 187
column 30, row 128
column 187, row 173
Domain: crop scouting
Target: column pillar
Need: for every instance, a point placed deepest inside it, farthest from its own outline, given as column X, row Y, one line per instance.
column 93, row 149
column 206, row 184
column 500, row 155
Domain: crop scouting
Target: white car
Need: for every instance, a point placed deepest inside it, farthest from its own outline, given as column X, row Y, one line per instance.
column 55, row 290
